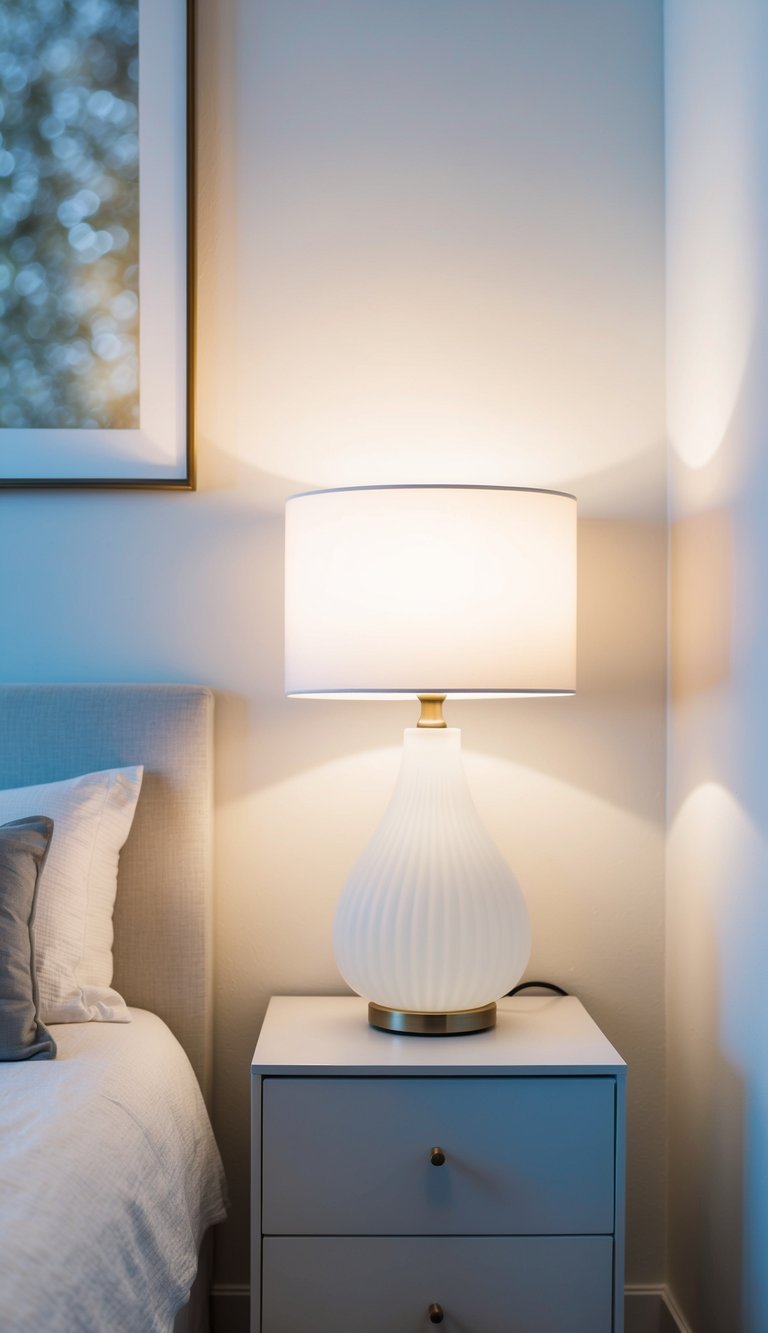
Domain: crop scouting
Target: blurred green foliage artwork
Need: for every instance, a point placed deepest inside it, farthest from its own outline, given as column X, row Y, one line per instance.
column 69, row 214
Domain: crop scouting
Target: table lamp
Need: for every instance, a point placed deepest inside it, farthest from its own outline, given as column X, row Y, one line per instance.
column 432, row 591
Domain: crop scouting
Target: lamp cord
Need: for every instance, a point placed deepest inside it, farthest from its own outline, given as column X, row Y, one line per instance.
column 537, row 985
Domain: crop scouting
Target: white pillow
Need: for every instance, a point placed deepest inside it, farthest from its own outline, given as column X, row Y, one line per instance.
column 92, row 817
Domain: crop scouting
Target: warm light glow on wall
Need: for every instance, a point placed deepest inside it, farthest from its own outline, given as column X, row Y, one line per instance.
column 711, row 291
column 707, row 367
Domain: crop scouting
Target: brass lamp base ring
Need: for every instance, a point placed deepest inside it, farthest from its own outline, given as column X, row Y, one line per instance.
column 422, row 1024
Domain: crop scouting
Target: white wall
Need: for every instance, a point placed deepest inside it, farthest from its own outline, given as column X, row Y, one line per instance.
column 431, row 247
column 717, row 150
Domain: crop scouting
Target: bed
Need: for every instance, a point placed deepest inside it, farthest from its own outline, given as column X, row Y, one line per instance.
column 109, row 1176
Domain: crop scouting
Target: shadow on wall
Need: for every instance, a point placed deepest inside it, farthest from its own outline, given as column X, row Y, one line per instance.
column 702, row 573
column 715, row 1179
column 719, row 653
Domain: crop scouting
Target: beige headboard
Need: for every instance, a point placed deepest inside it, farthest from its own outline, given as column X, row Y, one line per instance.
column 163, row 914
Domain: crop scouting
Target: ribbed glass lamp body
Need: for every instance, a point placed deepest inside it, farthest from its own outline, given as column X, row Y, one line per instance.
column 431, row 918
column 430, row 589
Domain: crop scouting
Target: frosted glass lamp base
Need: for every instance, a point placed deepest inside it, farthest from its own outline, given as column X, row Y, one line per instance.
column 431, row 925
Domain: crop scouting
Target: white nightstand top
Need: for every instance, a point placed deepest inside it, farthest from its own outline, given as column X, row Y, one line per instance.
column 330, row 1035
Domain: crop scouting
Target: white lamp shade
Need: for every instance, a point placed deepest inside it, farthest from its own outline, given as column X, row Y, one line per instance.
column 461, row 590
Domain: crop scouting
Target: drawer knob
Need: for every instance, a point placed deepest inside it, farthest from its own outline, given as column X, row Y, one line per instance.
column 436, row 1315
column 437, row 1157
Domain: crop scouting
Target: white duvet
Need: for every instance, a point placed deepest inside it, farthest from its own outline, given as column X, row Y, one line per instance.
column 109, row 1178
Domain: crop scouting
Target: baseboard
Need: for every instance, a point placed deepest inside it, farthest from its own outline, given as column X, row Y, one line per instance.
column 652, row 1310
column 675, row 1322
column 646, row 1310
column 230, row 1308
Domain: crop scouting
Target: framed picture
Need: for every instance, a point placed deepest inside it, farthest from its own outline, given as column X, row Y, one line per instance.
column 96, row 243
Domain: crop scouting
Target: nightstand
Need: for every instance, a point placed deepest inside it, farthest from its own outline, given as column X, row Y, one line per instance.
column 400, row 1182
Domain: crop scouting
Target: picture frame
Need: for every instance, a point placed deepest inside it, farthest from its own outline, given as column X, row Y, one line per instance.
column 111, row 357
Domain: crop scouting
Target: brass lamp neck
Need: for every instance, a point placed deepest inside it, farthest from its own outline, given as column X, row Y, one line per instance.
column 431, row 710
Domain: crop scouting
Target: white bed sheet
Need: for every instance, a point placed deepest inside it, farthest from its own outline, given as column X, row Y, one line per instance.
column 109, row 1178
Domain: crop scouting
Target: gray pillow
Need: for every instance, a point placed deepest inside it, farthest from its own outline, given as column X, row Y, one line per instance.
column 23, row 849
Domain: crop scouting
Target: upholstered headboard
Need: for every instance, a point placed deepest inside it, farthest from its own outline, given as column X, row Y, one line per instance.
column 163, row 912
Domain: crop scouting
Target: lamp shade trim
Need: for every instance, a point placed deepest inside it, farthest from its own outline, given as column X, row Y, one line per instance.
column 430, row 486
column 452, row 692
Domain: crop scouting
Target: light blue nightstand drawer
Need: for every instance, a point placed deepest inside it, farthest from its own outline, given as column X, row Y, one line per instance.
column 522, row 1284
column 523, row 1156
